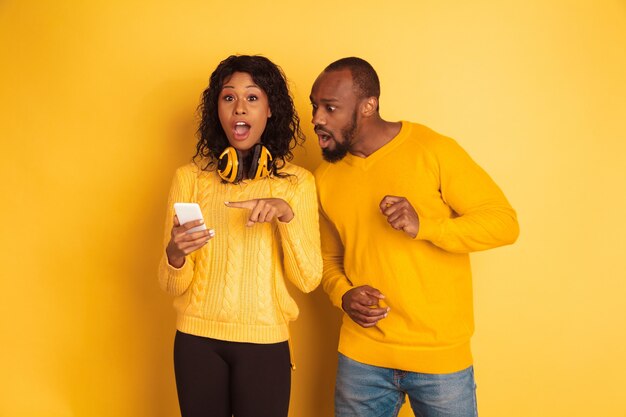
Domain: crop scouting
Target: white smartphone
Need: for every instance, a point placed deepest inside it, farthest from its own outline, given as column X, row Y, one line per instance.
column 188, row 212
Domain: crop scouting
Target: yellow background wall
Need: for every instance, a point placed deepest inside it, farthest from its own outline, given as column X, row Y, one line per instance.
column 97, row 103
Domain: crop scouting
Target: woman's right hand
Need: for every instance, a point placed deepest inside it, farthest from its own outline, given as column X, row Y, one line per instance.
column 182, row 243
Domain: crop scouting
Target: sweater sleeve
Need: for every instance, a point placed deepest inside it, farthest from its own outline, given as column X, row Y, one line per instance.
column 482, row 217
column 301, row 238
column 334, row 281
column 175, row 281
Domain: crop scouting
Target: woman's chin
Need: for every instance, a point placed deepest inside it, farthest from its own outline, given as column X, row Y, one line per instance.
column 243, row 146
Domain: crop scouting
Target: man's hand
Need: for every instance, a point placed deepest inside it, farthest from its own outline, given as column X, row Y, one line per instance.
column 400, row 214
column 361, row 304
column 264, row 210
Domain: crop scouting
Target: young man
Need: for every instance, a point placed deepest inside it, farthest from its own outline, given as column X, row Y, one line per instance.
column 402, row 207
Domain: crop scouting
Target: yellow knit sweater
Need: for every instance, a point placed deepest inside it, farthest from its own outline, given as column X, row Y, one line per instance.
column 234, row 287
column 426, row 280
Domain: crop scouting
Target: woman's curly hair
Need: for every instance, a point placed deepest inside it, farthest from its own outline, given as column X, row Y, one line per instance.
column 282, row 132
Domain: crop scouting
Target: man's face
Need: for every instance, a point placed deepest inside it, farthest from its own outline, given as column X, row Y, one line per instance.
column 334, row 105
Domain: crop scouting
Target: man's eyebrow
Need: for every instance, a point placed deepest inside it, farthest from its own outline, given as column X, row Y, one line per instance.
column 325, row 100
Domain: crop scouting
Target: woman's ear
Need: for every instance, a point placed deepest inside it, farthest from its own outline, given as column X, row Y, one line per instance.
column 269, row 112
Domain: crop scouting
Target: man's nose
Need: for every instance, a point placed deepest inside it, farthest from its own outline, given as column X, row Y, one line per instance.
column 318, row 119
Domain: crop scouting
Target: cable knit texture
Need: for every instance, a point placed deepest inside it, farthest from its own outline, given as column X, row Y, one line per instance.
column 234, row 287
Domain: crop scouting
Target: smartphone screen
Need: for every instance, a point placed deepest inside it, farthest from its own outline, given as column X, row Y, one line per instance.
column 188, row 212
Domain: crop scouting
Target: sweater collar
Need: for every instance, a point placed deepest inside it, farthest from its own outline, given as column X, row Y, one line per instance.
column 368, row 161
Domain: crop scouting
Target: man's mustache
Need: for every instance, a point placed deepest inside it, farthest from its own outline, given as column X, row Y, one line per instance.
column 318, row 129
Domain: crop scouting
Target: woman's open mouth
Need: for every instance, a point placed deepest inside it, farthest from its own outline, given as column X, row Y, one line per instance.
column 241, row 131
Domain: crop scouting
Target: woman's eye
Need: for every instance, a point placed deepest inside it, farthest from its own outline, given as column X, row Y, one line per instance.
column 253, row 98
column 228, row 98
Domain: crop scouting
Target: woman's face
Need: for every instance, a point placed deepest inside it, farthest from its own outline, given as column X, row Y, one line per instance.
column 243, row 109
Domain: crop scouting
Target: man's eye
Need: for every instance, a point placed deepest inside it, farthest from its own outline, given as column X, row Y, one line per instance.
column 330, row 109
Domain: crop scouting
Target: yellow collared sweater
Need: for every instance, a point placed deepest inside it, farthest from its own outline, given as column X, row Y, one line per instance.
column 234, row 287
column 426, row 280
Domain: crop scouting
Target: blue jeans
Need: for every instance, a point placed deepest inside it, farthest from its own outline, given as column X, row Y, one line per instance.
column 370, row 391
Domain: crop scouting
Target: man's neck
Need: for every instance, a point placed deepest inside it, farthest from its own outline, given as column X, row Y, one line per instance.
column 373, row 135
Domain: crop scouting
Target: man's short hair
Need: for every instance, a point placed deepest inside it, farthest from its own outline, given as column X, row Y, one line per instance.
column 364, row 76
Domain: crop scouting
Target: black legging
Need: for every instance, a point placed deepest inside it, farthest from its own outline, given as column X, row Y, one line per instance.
column 215, row 378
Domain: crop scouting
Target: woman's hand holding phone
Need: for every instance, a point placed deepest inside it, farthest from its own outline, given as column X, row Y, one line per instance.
column 187, row 237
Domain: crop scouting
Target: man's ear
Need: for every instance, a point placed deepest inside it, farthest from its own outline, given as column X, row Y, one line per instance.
column 369, row 106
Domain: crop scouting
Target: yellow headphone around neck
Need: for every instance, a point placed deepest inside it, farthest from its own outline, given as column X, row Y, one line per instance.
column 230, row 166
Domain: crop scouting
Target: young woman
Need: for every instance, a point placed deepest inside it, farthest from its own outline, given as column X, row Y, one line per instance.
column 231, row 353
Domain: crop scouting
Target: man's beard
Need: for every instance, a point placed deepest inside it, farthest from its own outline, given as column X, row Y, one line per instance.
column 341, row 149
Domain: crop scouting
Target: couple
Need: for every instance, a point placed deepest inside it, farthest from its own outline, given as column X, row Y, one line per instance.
column 400, row 208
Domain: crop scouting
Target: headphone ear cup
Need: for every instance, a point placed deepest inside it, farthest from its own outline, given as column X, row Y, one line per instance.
column 230, row 165
column 261, row 162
